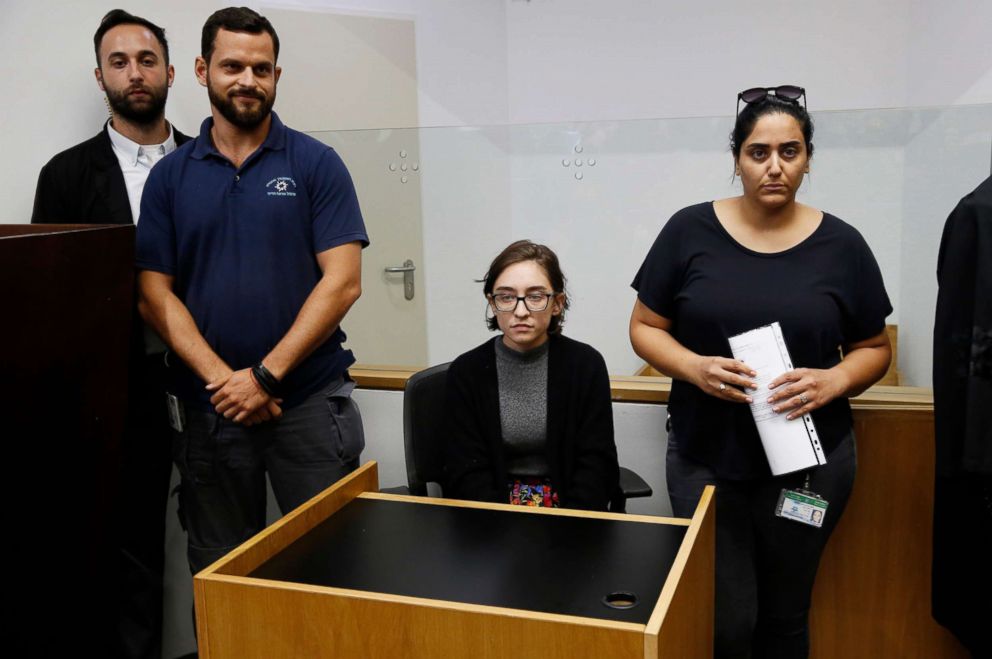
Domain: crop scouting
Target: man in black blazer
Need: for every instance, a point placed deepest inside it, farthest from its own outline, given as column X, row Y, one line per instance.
column 100, row 182
column 85, row 184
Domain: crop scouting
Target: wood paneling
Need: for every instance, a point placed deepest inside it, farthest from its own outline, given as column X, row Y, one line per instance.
column 652, row 389
column 893, row 376
column 292, row 622
column 682, row 622
column 872, row 594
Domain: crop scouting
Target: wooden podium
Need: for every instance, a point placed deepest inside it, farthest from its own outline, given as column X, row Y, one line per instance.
column 359, row 574
column 67, row 305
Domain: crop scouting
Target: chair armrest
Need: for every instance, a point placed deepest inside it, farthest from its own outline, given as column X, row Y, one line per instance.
column 632, row 485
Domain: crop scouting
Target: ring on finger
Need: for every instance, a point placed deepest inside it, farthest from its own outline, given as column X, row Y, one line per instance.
column 723, row 387
column 803, row 398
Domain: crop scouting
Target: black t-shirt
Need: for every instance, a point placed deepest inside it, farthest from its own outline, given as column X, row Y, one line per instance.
column 826, row 292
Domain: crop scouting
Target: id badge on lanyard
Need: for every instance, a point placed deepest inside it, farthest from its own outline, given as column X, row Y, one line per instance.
column 802, row 505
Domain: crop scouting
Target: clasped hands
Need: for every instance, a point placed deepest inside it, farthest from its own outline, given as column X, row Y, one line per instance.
column 805, row 390
column 239, row 398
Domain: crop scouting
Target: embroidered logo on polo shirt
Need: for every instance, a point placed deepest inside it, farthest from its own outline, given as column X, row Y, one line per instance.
column 281, row 186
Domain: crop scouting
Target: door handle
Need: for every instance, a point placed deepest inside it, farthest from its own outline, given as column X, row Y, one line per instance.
column 407, row 269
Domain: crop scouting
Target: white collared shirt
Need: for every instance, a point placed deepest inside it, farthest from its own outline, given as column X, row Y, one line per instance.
column 136, row 160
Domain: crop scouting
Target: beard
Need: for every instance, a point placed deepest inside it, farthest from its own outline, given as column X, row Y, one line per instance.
column 242, row 117
column 143, row 111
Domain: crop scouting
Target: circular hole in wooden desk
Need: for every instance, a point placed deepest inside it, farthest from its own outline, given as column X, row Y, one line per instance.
column 621, row 599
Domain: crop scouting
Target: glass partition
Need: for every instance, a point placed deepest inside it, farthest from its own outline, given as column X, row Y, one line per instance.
column 444, row 201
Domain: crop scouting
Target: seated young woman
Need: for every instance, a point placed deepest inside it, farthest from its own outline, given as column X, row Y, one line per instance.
column 529, row 415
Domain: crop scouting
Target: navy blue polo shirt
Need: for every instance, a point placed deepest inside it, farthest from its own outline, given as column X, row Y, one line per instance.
column 241, row 244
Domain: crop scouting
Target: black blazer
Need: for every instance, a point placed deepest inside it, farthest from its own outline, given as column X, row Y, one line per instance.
column 582, row 454
column 85, row 185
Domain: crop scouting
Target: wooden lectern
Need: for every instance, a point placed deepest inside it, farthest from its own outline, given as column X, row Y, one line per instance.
column 67, row 305
column 360, row 574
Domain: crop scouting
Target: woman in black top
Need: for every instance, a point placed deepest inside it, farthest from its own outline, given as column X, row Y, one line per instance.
column 530, row 419
column 716, row 270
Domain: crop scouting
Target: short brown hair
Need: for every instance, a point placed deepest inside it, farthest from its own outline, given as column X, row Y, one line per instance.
column 525, row 250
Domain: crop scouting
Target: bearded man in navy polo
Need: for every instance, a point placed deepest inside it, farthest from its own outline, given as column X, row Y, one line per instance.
column 249, row 252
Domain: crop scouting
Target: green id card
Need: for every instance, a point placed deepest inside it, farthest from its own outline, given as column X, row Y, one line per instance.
column 802, row 506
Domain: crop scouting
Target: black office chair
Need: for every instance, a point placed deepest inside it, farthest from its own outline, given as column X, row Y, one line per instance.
column 423, row 428
column 423, row 435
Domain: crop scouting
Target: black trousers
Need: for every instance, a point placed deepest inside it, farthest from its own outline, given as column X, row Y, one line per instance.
column 222, row 495
column 962, row 547
column 146, row 466
column 765, row 565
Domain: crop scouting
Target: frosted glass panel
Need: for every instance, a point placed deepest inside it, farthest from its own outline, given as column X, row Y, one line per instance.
column 599, row 192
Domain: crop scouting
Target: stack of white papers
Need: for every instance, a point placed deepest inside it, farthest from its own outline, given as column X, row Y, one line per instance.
column 789, row 445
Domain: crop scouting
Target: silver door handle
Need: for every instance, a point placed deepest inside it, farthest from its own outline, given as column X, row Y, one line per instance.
column 406, row 267
column 407, row 270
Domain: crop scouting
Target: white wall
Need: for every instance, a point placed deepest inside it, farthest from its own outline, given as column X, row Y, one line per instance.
column 948, row 59
column 581, row 60
column 461, row 45
column 628, row 59
column 493, row 61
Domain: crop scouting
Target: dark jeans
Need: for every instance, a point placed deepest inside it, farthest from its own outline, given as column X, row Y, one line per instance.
column 765, row 565
column 223, row 465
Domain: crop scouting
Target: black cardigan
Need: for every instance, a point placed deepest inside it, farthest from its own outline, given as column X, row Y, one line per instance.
column 581, row 452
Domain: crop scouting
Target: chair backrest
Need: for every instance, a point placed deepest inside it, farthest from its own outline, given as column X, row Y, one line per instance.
column 423, row 428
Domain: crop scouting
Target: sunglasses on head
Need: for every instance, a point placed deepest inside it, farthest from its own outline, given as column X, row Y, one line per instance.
column 784, row 92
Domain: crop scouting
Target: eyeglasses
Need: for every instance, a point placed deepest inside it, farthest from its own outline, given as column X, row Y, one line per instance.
column 507, row 302
column 785, row 92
